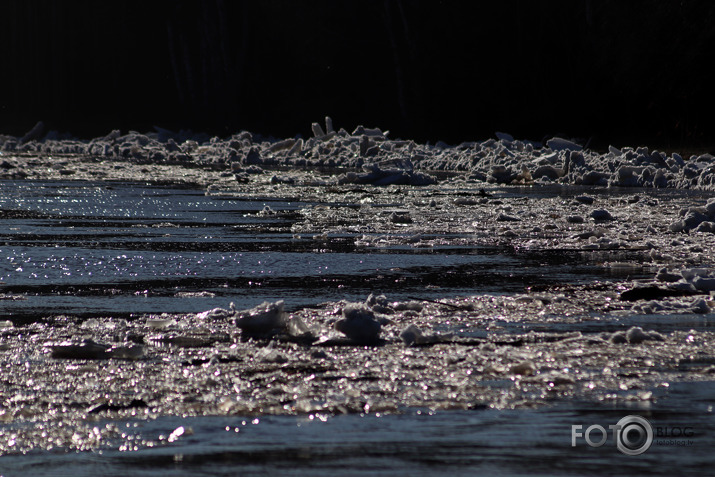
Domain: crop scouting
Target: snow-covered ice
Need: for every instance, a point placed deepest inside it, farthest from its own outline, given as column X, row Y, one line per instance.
column 372, row 155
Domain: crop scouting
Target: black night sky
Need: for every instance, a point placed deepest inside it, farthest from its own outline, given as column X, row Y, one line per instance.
column 626, row 73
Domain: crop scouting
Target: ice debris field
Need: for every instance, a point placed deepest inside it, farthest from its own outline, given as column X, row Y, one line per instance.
column 377, row 159
column 644, row 220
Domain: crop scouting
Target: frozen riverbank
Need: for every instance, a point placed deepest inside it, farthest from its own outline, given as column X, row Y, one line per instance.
column 378, row 159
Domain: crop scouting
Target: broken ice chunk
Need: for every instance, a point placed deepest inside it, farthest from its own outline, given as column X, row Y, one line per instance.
column 89, row 349
column 525, row 368
column 359, row 323
column 317, row 130
column 635, row 335
column 412, row 335
column 601, row 215
column 263, row 318
column 665, row 276
column 560, row 144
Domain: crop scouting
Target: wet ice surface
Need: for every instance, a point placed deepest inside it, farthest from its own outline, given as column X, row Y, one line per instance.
column 528, row 306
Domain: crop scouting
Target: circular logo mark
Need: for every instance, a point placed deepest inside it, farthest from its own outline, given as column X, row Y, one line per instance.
column 634, row 435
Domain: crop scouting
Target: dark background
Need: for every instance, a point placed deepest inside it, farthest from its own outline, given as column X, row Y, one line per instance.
column 619, row 72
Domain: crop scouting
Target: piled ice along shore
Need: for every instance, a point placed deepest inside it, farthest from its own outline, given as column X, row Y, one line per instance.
column 376, row 159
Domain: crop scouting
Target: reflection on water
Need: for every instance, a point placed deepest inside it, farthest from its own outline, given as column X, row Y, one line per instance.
column 521, row 442
column 128, row 249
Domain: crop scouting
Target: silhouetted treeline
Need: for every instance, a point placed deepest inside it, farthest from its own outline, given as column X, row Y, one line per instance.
column 620, row 72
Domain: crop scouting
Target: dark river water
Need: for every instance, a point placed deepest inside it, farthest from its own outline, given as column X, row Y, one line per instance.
column 485, row 442
column 127, row 249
